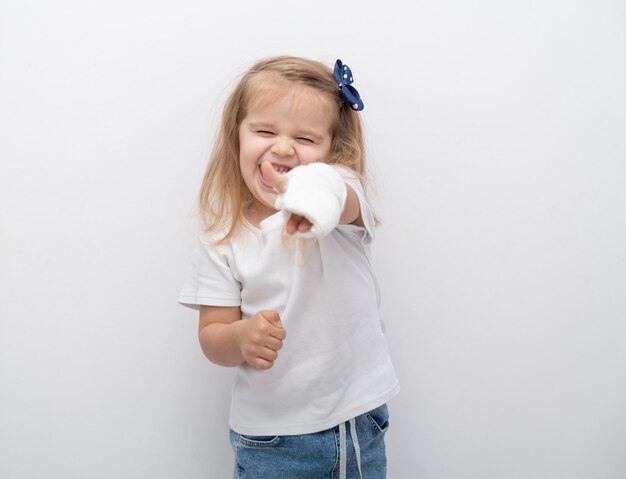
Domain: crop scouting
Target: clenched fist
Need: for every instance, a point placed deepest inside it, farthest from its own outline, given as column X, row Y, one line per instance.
column 261, row 338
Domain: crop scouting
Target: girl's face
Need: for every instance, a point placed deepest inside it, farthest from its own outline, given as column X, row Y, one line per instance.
column 291, row 125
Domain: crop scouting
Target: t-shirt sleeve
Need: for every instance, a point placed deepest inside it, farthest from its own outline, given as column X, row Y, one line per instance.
column 367, row 215
column 210, row 280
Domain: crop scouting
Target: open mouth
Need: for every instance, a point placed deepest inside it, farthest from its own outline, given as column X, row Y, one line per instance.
column 282, row 169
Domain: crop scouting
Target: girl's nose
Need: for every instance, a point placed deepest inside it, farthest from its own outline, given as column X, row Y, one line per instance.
column 282, row 147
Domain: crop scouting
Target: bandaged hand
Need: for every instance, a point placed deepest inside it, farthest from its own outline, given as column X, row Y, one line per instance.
column 313, row 194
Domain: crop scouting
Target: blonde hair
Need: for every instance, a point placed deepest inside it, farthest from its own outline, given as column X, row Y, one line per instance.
column 224, row 196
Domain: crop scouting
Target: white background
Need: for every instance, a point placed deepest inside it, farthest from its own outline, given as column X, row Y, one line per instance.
column 496, row 138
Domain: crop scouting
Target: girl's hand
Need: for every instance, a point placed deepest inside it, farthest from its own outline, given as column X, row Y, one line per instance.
column 296, row 223
column 261, row 338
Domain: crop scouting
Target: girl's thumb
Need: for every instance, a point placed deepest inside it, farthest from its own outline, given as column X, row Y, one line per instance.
column 273, row 317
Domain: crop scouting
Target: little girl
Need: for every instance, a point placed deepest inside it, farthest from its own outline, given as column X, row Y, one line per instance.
column 283, row 277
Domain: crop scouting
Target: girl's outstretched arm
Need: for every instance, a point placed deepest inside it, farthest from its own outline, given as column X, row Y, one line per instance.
column 227, row 340
column 351, row 212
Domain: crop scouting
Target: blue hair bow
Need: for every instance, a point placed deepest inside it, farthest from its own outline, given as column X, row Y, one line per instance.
column 348, row 94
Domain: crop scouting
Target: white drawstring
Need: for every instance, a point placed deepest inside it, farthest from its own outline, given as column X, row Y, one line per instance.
column 355, row 443
column 342, row 450
column 343, row 447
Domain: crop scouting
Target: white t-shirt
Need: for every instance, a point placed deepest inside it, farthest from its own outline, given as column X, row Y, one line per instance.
column 335, row 363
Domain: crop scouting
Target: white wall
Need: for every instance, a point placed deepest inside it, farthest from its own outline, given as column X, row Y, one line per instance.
column 496, row 134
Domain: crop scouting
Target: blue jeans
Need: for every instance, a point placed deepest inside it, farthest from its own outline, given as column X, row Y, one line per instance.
column 317, row 455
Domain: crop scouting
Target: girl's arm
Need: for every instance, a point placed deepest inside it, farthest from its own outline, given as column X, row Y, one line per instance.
column 351, row 213
column 227, row 340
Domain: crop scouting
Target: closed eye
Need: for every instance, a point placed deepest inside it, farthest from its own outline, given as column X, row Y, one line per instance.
column 265, row 132
column 307, row 140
